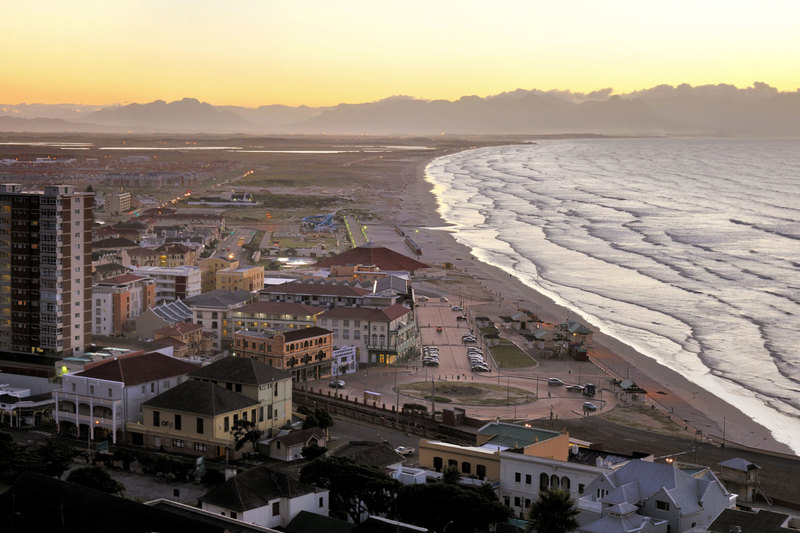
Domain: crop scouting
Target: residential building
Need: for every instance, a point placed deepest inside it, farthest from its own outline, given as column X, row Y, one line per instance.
column 240, row 279
column 166, row 255
column 45, row 274
column 275, row 316
column 213, row 311
column 289, row 446
column 265, row 497
column 741, row 476
column 316, row 294
column 172, row 283
column 754, row 521
column 119, row 300
column 160, row 316
column 208, row 271
column 383, row 258
column 187, row 340
column 98, row 401
column 198, row 416
column 306, row 352
column 657, row 490
column 118, row 202
column 381, row 336
column 270, row 387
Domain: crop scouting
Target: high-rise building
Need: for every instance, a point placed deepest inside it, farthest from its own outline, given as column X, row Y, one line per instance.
column 45, row 276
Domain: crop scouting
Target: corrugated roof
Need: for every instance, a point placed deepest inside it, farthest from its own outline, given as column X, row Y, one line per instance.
column 201, row 398
column 242, row 370
column 255, row 488
column 218, row 298
column 286, row 308
column 138, row 368
column 181, row 328
column 387, row 314
column 382, row 257
column 313, row 289
column 305, row 333
column 515, row 436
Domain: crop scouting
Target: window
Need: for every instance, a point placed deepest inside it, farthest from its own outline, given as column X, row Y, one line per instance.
column 235, row 419
column 437, row 464
column 527, row 503
column 516, row 501
column 156, row 418
column 466, row 468
column 152, row 387
column 276, row 508
column 581, row 487
column 252, row 415
column 507, row 501
column 91, row 389
column 110, row 393
column 664, row 506
column 233, row 515
column 199, row 428
column 527, row 479
column 544, row 481
column 178, row 443
column 178, row 422
column 554, row 482
column 227, row 425
column 565, row 483
column 73, row 387
column 261, row 414
column 517, row 477
column 165, row 384
column 143, row 389
column 199, row 446
column 480, row 471
column 321, row 502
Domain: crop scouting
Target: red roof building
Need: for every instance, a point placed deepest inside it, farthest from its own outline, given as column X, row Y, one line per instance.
column 381, row 257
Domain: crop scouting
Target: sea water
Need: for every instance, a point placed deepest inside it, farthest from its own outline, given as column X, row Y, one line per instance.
column 686, row 249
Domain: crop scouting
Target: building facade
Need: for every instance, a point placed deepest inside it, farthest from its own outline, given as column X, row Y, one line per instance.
column 45, row 270
column 172, row 283
column 119, row 300
column 240, row 279
column 275, row 316
column 306, row 353
column 213, row 310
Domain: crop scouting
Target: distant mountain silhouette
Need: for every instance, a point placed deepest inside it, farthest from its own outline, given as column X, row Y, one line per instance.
column 50, row 125
column 188, row 114
column 721, row 109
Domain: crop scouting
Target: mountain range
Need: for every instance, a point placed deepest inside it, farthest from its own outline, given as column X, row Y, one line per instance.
column 722, row 109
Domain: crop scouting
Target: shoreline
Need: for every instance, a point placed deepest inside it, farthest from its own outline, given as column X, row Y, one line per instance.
column 685, row 401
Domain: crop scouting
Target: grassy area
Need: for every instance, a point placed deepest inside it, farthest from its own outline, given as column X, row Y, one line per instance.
column 469, row 393
column 508, row 355
column 642, row 417
column 255, row 243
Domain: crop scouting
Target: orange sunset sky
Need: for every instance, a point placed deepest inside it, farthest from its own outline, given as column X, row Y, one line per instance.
column 263, row 52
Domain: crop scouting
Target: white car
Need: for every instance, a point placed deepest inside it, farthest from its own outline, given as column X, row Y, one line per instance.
column 336, row 384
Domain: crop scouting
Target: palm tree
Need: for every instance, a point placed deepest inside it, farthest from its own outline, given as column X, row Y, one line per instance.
column 553, row 512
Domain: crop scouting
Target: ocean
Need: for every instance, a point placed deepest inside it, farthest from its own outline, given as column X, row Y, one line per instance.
column 686, row 249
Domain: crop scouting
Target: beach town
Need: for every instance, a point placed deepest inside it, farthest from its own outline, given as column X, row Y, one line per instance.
column 361, row 301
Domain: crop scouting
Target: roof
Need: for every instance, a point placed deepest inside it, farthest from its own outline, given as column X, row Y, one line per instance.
column 225, row 524
column 382, row 257
column 40, row 503
column 173, row 248
column 141, row 251
column 110, row 267
column 755, row 521
column 299, row 436
column 201, row 398
column 391, row 283
column 287, row 308
column 173, row 312
column 135, row 369
column 218, row 298
column 307, row 522
column 577, row 327
column 367, row 453
column 737, row 463
column 118, row 242
column 305, row 333
column 513, row 435
column 387, row 314
column 181, row 328
column 121, row 279
column 256, row 488
column 242, row 370
column 314, row 289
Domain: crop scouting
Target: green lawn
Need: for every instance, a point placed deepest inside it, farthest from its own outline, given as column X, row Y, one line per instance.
column 508, row 355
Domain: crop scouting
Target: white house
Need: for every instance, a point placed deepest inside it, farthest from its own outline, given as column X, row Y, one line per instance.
column 172, row 283
column 212, row 311
column 264, row 497
column 660, row 491
column 96, row 402
column 288, row 446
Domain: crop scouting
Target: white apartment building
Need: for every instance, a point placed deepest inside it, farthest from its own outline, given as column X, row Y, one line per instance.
column 172, row 283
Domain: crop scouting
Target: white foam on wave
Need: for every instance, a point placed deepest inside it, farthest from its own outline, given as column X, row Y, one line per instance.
column 593, row 225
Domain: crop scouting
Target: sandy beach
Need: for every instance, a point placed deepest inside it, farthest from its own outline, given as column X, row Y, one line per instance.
column 700, row 412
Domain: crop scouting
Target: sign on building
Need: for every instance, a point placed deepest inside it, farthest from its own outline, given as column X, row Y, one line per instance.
column 344, row 361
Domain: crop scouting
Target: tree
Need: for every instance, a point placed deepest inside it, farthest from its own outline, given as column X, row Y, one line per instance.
column 451, row 475
column 553, row 512
column 55, row 457
column 96, row 477
column 354, row 488
column 313, row 451
column 245, row 431
column 324, row 418
column 437, row 506
column 310, row 422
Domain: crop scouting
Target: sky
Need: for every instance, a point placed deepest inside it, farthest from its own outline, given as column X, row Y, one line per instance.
column 303, row 52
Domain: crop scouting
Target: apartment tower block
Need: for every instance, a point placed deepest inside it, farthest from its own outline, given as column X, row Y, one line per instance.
column 45, row 274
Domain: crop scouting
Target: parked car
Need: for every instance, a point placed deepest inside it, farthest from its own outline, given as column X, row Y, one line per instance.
column 336, row 384
column 457, row 308
column 554, row 381
column 423, row 298
column 404, row 450
column 442, row 299
column 430, row 362
column 575, row 388
column 481, row 368
column 468, row 338
column 589, row 406
column 461, row 317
